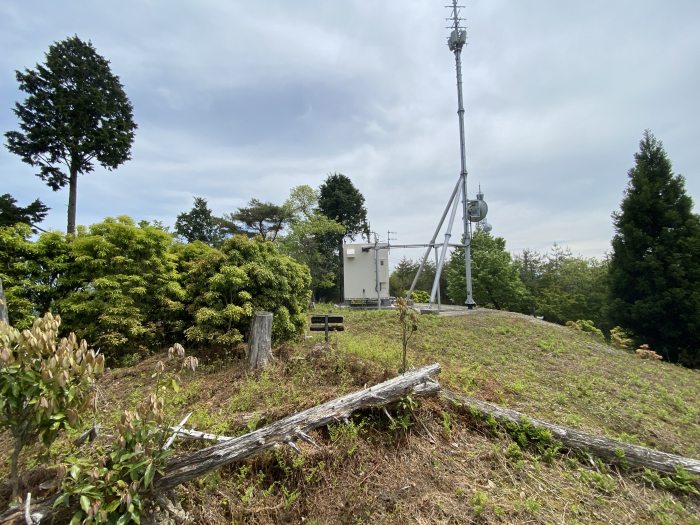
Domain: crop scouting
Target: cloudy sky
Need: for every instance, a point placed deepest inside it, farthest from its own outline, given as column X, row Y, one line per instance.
column 239, row 99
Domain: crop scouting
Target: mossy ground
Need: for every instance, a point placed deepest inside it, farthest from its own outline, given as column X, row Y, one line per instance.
column 447, row 466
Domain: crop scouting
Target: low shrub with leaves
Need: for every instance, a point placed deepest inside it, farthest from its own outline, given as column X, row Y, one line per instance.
column 124, row 293
column 227, row 286
column 46, row 385
column 112, row 485
column 644, row 352
column 420, row 296
column 585, row 325
column 621, row 338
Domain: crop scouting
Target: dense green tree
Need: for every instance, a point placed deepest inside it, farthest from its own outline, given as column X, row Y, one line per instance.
column 531, row 266
column 226, row 286
column 302, row 203
column 402, row 277
column 124, row 295
column 572, row 288
column 310, row 239
column 76, row 112
column 564, row 287
column 15, row 256
column 11, row 213
column 260, row 218
column 496, row 277
column 341, row 201
column 199, row 224
column 306, row 243
column 655, row 267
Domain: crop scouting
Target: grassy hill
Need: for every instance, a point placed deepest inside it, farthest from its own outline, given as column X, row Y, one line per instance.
column 436, row 463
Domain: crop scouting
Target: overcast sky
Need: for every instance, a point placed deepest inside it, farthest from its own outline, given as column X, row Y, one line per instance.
column 241, row 99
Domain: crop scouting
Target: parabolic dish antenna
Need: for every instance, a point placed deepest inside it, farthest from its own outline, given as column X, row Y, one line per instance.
column 477, row 210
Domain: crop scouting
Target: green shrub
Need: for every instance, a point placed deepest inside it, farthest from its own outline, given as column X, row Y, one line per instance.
column 15, row 256
column 45, row 385
column 111, row 484
column 420, row 296
column 584, row 325
column 31, row 272
column 621, row 338
column 124, row 293
column 226, row 286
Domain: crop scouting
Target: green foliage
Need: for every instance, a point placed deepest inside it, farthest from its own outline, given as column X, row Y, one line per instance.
column 496, row 280
column 402, row 277
column 584, row 325
column 307, row 243
column 199, row 224
column 124, row 291
column 259, row 218
column 15, row 254
column 11, row 214
column 620, row 338
column 302, row 203
column 31, row 271
column 75, row 111
column 420, row 296
column 342, row 202
column 654, row 268
column 45, row 385
column 479, row 501
column 111, row 485
column 681, row 481
column 565, row 288
column 227, row 286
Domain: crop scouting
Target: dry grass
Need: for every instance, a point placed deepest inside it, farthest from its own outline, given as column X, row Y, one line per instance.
column 447, row 467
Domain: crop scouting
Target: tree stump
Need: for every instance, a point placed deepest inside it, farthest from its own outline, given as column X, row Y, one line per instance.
column 260, row 340
column 3, row 306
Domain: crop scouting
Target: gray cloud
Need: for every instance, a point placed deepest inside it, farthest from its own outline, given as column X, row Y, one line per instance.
column 239, row 99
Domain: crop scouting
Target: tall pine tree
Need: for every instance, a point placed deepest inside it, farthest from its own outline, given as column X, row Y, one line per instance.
column 655, row 264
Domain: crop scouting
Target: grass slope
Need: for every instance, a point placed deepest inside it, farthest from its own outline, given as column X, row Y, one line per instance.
column 436, row 464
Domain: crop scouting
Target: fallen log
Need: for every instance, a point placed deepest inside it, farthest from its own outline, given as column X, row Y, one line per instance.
column 286, row 431
column 608, row 449
column 186, row 467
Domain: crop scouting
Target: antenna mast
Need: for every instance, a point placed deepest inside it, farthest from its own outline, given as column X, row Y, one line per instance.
column 472, row 211
column 456, row 41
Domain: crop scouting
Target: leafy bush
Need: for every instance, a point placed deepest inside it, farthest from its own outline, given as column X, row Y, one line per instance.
column 584, row 325
column 15, row 254
column 31, row 272
column 227, row 286
column 620, row 338
column 644, row 352
column 124, row 290
column 111, row 485
column 44, row 386
column 420, row 296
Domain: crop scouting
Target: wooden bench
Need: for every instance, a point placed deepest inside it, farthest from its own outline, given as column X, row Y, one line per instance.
column 326, row 323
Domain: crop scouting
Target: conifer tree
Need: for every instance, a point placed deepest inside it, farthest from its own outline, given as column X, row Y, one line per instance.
column 76, row 113
column 655, row 264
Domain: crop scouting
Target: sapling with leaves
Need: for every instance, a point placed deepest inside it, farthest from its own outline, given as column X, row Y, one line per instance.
column 110, row 485
column 45, row 385
column 408, row 319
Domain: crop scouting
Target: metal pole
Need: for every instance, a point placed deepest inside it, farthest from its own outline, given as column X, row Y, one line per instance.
column 448, row 234
column 377, row 286
column 438, row 288
column 456, row 42
column 432, row 241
